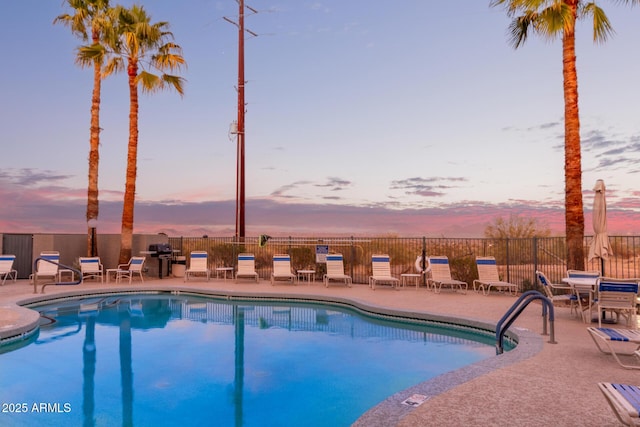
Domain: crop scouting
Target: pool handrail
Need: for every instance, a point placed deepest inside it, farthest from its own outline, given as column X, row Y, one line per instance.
column 35, row 278
column 517, row 308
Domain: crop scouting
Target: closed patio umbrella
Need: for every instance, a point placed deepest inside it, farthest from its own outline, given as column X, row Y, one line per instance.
column 600, row 247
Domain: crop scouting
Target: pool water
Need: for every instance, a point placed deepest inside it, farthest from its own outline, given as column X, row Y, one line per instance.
column 164, row 360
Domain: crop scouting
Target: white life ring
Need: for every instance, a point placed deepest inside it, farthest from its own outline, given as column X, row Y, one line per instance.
column 418, row 264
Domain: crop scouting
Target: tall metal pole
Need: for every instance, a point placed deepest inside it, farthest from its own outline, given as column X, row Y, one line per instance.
column 240, row 171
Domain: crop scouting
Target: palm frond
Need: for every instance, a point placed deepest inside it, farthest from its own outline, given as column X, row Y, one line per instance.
column 146, row 44
column 520, row 7
column 520, row 27
column 114, row 65
column 602, row 28
column 554, row 20
column 166, row 60
column 76, row 23
column 88, row 55
column 149, row 82
column 176, row 82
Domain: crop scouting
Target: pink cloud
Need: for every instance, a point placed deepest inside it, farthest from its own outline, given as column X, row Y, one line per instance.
column 467, row 219
column 34, row 208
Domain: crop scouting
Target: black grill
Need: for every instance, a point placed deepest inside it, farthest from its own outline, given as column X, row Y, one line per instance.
column 160, row 249
column 163, row 252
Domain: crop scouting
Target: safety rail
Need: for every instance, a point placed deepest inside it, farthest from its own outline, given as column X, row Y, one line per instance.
column 517, row 308
column 76, row 272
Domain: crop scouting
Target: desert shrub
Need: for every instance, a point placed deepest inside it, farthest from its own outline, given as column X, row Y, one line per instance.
column 223, row 254
column 302, row 257
column 464, row 269
column 527, row 285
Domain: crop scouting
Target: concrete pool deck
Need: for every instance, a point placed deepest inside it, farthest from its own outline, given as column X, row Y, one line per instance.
column 548, row 384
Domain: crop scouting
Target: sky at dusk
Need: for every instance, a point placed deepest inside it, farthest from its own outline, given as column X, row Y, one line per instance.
column 384, row 117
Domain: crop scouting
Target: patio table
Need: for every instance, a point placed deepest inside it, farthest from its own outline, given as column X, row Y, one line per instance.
column 224, row 270
column 582, row 286
column 308, row 274
column 411, row 276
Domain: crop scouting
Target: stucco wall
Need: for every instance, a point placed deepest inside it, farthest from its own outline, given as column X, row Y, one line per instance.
column 73, row 246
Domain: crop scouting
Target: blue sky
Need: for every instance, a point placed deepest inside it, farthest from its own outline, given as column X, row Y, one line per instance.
column 405, row 117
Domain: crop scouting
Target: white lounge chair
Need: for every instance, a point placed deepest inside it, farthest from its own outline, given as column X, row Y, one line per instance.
column 441, row 275
column 565, row 297
column 381, row 272
column 127, row 271
column 247, row 267
column 624, row 400
column 198, row 265
column 47, row 266
column 282, row 269
column 6, row 268
column 488, row 277
column 610, row 341
column 335, row 270
column 619, row 296
column 90, row 267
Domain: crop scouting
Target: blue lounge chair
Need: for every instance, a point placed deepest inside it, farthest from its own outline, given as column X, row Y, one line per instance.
column 6, row 268
column 198, row 264
column 335, row 270
column 127, row 271
column 608, row 340
column 488, row 277
column 381, row 272
column 246, row 267
column 624, row 400
column 282, row 269
column 90, row 267
column 619, row 296
column 441, row 275
column 566, row 296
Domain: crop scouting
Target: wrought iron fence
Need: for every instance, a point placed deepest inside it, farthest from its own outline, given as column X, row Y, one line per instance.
column 517, row 259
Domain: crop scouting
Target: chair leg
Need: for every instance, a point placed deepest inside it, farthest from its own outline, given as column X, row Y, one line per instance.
column 599, row 318
column 574, row 310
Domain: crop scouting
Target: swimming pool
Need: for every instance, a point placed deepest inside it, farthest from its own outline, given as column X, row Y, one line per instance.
column 187, row 360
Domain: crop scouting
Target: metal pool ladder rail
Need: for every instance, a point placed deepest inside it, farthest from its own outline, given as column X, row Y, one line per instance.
column 76, row 272
column 517, row 308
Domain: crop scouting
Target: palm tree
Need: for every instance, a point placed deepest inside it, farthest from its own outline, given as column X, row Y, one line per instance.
column 550, row 19
column 143, row 46
column 90, row 22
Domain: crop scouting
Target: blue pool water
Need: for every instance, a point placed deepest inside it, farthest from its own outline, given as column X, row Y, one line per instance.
column 164, row 360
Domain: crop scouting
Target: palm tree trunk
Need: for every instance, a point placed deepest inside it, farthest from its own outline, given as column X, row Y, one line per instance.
column 94, row 160
column 574, row 215
column 126, row 237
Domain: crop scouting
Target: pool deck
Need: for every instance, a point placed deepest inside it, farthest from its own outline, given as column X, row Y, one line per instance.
column 542, row 384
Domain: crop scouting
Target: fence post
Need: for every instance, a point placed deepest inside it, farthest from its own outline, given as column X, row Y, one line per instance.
column 234, row 247
column 506, row 250
column 424, row 260
column 353, row 255
column 535, row 261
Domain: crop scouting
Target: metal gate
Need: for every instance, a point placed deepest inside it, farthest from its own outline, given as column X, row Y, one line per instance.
column 20, row 245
